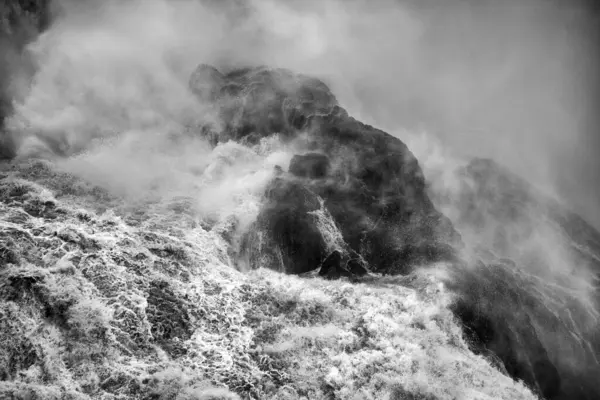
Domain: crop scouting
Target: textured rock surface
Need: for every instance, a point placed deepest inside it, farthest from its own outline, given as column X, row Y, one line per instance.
column 368, row 180
column 533, row 299
column 287, row 237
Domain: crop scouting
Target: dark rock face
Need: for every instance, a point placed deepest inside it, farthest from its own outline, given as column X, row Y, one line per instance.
column 286, row 236
column 258, row 102
column 540, row 333
column 331, row 266
column 310, row 165
column 491, row 309
column 340, row 264
column 369, row 181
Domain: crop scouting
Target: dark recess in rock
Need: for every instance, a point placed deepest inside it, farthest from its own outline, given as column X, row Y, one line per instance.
column 487, row 310
column 356, row 268
column 338, row 264
column 331, row 267
column 290, row 239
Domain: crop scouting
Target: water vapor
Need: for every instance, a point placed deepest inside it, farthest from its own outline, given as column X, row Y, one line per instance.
column 110, row 102
column 511, row 80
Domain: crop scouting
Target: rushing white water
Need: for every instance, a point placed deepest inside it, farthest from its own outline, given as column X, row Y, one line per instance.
column 361, row 340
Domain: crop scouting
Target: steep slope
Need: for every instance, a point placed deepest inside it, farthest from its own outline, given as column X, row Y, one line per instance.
column 538, row 287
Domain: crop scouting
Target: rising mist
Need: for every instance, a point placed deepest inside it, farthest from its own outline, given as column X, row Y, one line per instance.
column 510, row 80
column 109, row 101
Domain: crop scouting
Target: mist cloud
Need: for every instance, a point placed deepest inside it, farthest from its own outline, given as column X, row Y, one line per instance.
column 511, row 80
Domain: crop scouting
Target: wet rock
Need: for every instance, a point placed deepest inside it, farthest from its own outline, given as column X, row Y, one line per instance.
column 375, row 189
column 310, row 165
column 398, row 392
column 285, row 236
column 493, row 309
column 339, row 264
column 522, row 234
column 357, row 267
column 331, row 268
column 262, row 101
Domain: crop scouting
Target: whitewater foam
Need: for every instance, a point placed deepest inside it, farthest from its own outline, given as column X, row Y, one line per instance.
column 262, row 333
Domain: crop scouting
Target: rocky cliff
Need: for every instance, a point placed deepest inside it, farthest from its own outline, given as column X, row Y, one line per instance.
column 536, row 289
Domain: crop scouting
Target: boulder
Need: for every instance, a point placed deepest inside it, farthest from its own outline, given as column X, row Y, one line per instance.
column 258, row 102
column 340, row 264
column 331, row 267
column 369, row 181
column 285, row 236
column 355, row 264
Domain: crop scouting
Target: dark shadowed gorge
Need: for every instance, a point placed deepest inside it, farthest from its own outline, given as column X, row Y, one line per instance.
column 186, row 220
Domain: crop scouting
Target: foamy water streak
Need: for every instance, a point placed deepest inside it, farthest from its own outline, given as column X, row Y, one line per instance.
column 328, row 228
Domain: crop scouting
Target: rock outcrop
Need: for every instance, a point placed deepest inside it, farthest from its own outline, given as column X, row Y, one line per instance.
column 368, row 181
column 287, row 236
column 532, row 298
